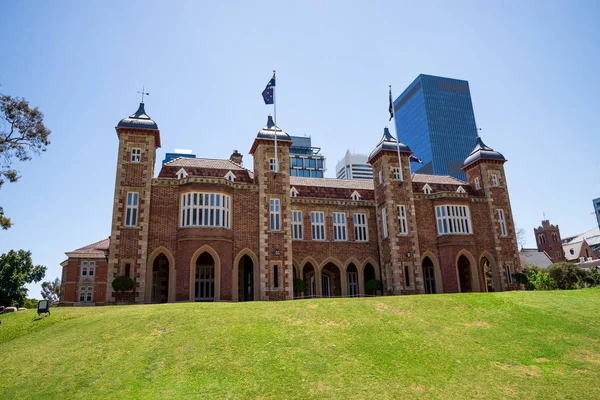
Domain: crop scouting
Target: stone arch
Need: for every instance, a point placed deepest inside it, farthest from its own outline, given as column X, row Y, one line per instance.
column 473, row 270
column 309, row 259
column 494, row 268
column 235, row 276
column 439, row 283
column 375, row 264
column 172, row 274
column 334, row 280
column 308, row 276
column 206, row 248
column 353, row 281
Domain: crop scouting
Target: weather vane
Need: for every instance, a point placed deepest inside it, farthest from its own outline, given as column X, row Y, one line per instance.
column 143, row 92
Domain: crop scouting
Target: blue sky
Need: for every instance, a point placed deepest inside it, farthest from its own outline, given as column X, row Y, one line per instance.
column 532, row 68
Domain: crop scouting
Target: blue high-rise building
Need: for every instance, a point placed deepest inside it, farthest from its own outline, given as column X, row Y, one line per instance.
column 434, row 117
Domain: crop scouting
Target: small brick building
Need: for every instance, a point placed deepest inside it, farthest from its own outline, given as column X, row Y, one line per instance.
column 210, row 230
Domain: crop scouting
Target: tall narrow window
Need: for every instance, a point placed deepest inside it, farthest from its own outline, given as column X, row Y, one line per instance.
column 273, row 165
column 297, row 225
column 402, row 221
column 494, row 180
column 384, row 222
column 131, row 213
column 275, row 210
column 502, row 221
column 380, row 177
column 276, row 276
column 136, row 155
column 91, row 268
column 477, row 183
column 360, row 228
column 317, row 220
column 509, row 274
column 127, row 269
column 339, row 227
column 397, row 176
column 453, row 220
column 406, row 276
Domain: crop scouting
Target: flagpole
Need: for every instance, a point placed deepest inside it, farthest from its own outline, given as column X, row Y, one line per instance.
column 275, row 122
column 397, row 138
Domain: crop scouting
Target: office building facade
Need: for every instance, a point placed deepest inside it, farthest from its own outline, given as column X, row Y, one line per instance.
column 354, row 166
column 306, row 160
column 434, row 116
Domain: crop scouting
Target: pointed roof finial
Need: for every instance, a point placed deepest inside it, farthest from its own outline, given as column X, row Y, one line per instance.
column 143, row 92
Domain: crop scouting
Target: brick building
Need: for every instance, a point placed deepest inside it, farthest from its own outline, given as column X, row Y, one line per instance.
column 208, row 229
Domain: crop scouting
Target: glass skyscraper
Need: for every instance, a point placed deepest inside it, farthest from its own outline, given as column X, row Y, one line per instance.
column 434, row 117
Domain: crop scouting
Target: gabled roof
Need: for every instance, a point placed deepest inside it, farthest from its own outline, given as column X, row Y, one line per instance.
column 95, row 250
column 576, row 247
column 206, row 167
column 388, row 142
column 204, row 163
column 592, row 237
column 329, row 182
column 439, row 179
column 138, row 120
column 326, row 188
column 532, row 256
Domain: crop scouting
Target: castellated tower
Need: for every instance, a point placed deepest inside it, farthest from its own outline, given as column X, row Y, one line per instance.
column 485, row 173
column 139, row 138
column 398, row 238
column 274, row 229
column 547, row 237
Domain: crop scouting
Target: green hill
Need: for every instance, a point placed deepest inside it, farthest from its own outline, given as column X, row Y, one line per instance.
column 497, row 345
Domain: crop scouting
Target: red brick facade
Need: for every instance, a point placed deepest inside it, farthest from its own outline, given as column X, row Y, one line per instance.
column 245, row 254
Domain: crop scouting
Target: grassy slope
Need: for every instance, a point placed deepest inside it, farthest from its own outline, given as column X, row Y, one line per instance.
column 498, row 345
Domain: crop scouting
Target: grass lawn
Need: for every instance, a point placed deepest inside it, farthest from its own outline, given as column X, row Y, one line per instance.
column 475, row 345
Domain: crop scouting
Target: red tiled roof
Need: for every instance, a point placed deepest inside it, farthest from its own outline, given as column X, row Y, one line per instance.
column 441, row 179
column 94, row 248
column 325, row 188
column 206, row 167
column 332, row 183
column 204, row 163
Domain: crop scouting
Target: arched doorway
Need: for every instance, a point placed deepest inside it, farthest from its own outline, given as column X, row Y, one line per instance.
column 308, row 276
column 465, row 279
column 204, row 289
column 429, row 276
column 246, row 279
column 486, row 275
column 352, row 280
column 160, row 279
column 369, row 273
column 331, row 281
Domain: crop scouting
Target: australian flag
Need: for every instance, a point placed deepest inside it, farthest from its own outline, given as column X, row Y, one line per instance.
column 268, row 92
column 391, row 107
column 415, row 159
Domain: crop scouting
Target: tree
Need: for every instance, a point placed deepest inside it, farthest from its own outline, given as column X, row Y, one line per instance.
column 122, row 284
column 22, row 134
column 521, row 237
column 51, row 290
column 16, row 270
column 566, row 275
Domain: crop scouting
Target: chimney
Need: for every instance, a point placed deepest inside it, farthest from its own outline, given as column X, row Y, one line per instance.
column 236, row 157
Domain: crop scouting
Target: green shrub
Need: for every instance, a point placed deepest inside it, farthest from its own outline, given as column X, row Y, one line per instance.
column 298, row 286
column 30, row 304
column 122, row 284
column 373, row 285
column 541, row 280
column 567, row 276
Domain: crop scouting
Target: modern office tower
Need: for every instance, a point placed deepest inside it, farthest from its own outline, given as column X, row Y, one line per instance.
column 305, row 159
column 354, row 166
column 597, row 210
column 435, row 118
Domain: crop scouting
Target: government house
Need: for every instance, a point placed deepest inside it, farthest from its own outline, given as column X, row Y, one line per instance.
column 214, row 230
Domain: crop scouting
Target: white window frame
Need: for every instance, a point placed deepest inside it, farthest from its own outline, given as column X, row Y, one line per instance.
column 88, row 268
column 494, row 179
column 132, row 202
column 453, row 220
column 205, row 210
column 380, row 175
column 427, row 189
column 340, row 233
column 293, row 192
column 272, row 165
column 87, row 293
column 297, row 227
column 275, row 215
column 182, row 173
column 355, row 196
column 384, row 224
column 461, row 190
column 502, row 221
column 477, row 183
column 136, row 155
column 317, row 225
column 402, row 220
column 361, row 229
column 396, row 174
